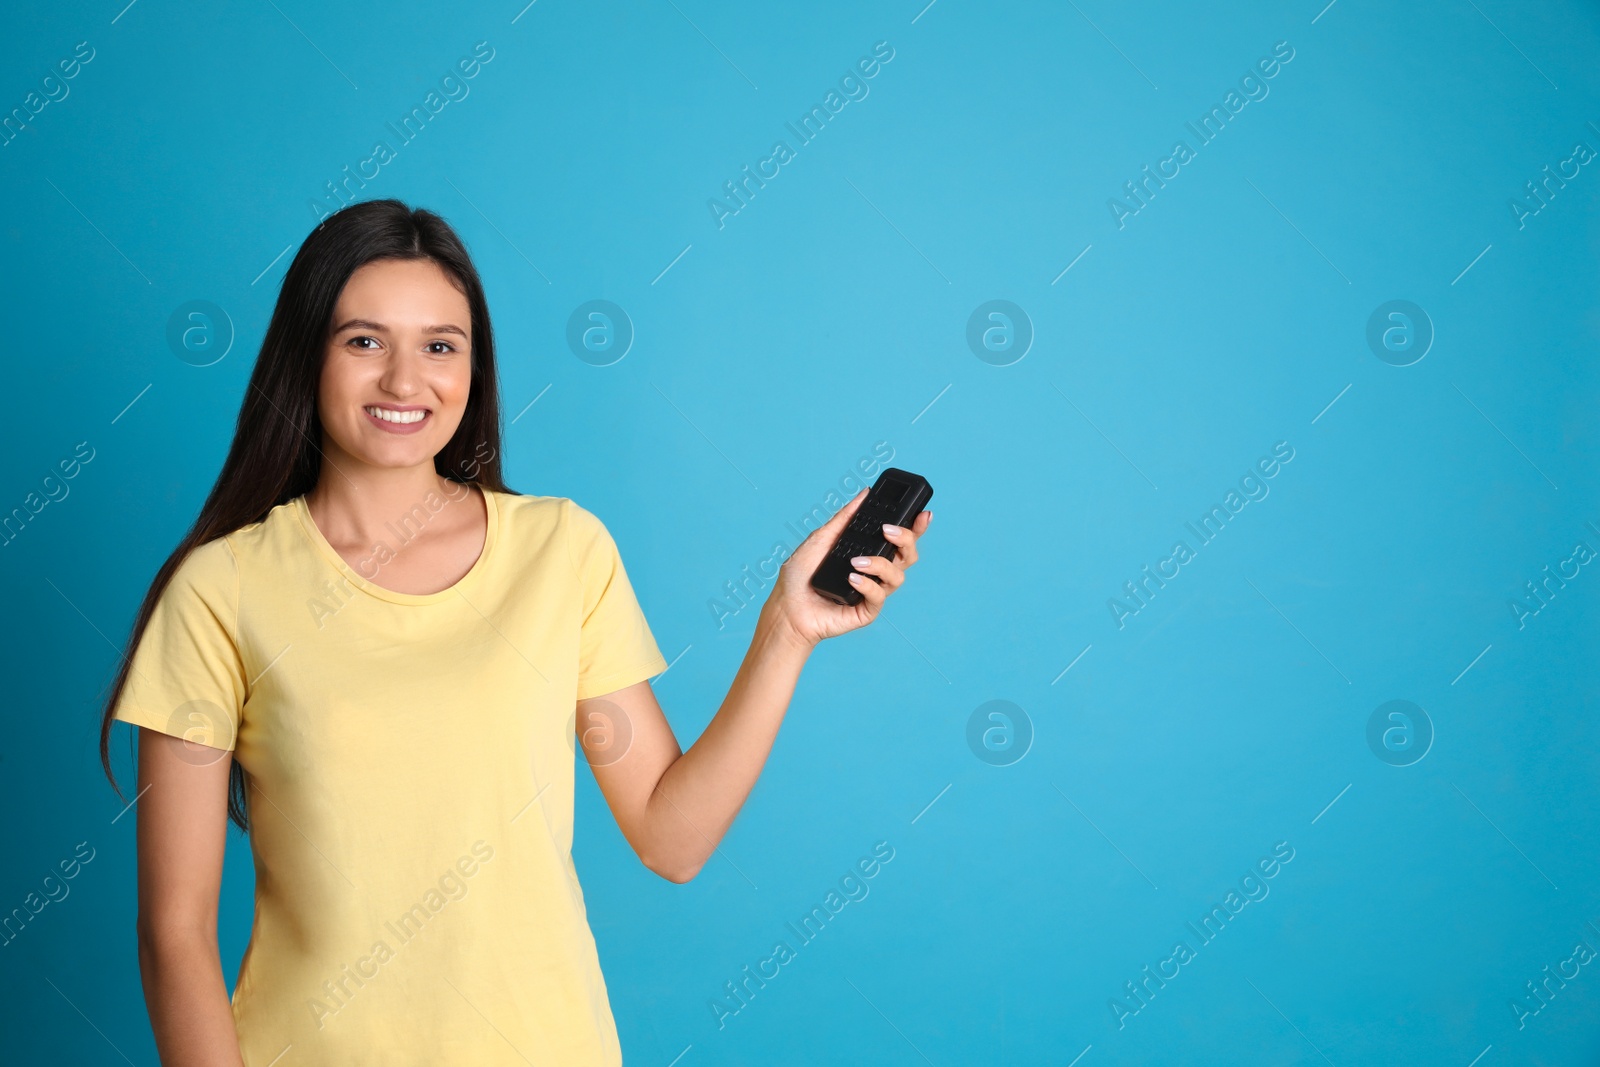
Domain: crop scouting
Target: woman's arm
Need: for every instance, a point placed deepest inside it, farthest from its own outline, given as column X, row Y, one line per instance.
column 674, row 806
column 182, row 832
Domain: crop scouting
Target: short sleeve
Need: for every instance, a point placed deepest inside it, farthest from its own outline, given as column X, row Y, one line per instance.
column 187, row 677
column 615, row 648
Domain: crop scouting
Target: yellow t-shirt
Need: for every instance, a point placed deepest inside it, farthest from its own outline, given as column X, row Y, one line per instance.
column 410, row 765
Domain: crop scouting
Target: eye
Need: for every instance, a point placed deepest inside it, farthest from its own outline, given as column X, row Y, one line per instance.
column 363, row 337
column 447, row 346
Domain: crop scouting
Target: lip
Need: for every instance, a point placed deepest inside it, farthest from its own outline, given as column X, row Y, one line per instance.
column 395, row 427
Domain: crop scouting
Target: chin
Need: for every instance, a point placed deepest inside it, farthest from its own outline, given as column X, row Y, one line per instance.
column 397, row 454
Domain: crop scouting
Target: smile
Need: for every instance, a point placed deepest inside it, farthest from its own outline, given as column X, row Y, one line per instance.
column 397, row 421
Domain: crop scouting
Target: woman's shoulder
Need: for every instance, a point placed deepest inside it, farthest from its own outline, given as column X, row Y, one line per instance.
column 254, row 537
column 554, row 510
column 529, row 507
column 208, row 576
column 532, row 517
column 209, row 563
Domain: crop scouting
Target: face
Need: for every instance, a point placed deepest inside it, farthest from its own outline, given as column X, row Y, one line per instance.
column 398, row 366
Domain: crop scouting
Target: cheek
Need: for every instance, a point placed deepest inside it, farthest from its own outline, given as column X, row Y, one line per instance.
column 455, row 383
column 340, row 381
column 329, row 394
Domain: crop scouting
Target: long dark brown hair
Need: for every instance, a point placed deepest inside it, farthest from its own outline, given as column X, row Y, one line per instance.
column 276, row 453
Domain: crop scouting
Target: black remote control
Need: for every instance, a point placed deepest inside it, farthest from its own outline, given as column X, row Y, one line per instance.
column 897, row 498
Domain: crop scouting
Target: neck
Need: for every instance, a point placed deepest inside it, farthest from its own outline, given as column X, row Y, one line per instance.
column 355, row 504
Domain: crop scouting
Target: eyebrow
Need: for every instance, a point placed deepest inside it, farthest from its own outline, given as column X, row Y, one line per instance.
column 368, row 324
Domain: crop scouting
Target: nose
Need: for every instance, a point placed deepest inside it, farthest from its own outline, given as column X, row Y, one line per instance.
column 399, row 377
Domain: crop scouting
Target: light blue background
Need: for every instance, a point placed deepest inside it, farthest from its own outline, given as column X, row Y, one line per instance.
column 828, row 315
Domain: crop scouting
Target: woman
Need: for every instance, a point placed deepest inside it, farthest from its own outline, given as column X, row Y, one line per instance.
column 373, row 655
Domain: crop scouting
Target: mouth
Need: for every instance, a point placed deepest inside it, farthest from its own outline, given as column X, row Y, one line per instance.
column 398, row 419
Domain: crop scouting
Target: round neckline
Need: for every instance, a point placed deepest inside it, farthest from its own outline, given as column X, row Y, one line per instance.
column 314, row 533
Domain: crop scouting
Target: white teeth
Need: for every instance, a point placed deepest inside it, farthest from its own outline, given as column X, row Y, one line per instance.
column 397, row 416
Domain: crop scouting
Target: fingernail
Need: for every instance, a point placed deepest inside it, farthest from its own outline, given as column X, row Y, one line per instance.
column 892, row 531
column 857, row 578
column 860, row 561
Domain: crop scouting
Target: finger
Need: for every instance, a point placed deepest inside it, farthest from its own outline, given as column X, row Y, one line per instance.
column 871, row 590
column 829, row 531
column 887, row 571
column 821, row 540
column 844, row 514
column 905, row 543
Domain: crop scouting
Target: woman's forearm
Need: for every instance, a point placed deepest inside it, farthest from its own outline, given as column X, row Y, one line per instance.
column 695, row 799
column 698, row 796
column 187, row 999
